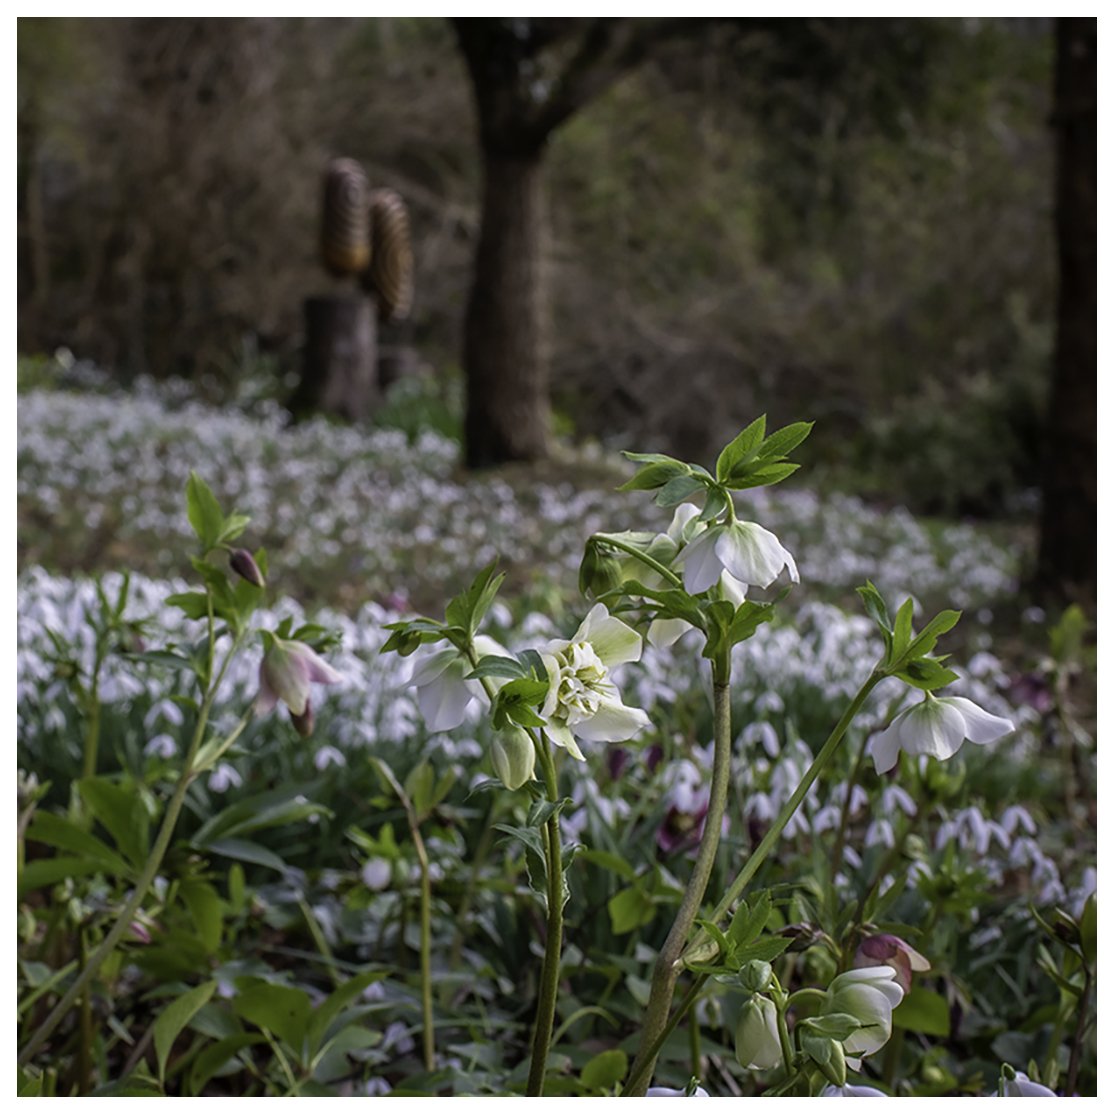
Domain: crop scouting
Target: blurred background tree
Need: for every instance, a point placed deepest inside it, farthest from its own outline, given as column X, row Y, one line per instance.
column 845, row 219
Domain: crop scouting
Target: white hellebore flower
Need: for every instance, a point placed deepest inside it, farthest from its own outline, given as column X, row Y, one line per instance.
column 757, row 1044
column 1022, row 1085
column 747, row 551
column 582, row 699
column 443, row 694
column 937, row 726
column 666, row 632
column 869, row 995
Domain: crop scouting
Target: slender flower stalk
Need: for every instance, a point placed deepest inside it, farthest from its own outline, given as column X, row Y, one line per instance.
column 425, row 977
column 652, row 1043
column 667, row 967
column 555, row 903
column 150, row 869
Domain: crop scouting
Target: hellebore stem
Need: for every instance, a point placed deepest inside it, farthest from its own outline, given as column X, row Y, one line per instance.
column 555, row 902
column 667, row 966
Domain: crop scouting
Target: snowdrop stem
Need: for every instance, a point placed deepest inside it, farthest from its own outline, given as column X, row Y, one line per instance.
column 755, row 861
column 147, row 876
column 846, row 808
column 666, row 967
column 424, row 913
column 646, row 559
column 555, row 902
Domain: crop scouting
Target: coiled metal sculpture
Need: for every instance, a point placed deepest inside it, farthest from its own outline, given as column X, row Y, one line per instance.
column 390, row 274
column 346, row 232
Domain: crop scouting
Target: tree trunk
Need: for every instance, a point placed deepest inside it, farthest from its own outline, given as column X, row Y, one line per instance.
column 339, row 362
column 508, row 410
column 1067, row 550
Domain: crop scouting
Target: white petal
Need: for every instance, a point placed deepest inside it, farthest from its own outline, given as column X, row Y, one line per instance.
column 613, row 724
column 611, row 638
column 979, row 726
column 553, row 672
column 595, row 614
column 318, row 670
column 563, row 737
column 431, row 666
column 701, row 564
column 444, row 702
column 664, row 633
column 732, row 589
column 751, row 553
column 682, row 517
column 932, row 728
column 884, row 746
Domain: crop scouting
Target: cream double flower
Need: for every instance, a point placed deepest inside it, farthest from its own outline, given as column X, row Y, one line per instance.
column 582, row 700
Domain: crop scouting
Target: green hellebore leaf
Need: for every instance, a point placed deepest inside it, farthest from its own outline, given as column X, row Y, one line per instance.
column 203, row 511
column 741, row 449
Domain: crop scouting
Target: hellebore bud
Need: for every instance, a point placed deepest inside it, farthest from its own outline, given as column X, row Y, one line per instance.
column 755, row 976
column 885, row 948
column 245, row 565
column 513, row 757
column 303, row 722
column 757, row 1044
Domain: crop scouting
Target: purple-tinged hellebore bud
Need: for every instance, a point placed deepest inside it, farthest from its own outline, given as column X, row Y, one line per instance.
column 286, row 673
column 304, row 723
column 885, row 948
column 139, row 932
column 243, row 563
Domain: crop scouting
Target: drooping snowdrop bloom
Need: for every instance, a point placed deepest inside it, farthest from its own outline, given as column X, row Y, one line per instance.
column 1013, row 1084
column 869, row 995
column 831, row 1090
column 698, row 1091
column 757, row 1044
column 937, row 726
column 444, row 696
column 749, row 552
column 286, row 673
column 582, row 699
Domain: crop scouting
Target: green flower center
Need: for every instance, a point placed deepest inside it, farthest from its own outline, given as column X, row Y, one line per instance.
column 582, row 683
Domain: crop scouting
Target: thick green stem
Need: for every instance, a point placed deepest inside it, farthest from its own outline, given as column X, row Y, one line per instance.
column 645, row 1061
column 1078, row 1036
column 667, row 966
column 147, row 877
column 555, row 901
column 784, row 1042
column 655, row 1047
column 755, row 860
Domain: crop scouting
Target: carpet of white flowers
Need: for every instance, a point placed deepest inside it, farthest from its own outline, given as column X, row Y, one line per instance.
column 377, row 526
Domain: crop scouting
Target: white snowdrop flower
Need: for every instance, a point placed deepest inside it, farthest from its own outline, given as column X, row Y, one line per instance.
column 1014, row 1084
column 328, row 756
column 895, row 798
column 936, row 726
column 769, row 702
column 1080, row 894
column 1017, row 817
column 376, row 873
column 377, row 1086
column 853, row 859
column 879, row 831
column 763, row 733
column 163, row 745
column 397, row 1037
column 224, row 776
column 163, row 710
